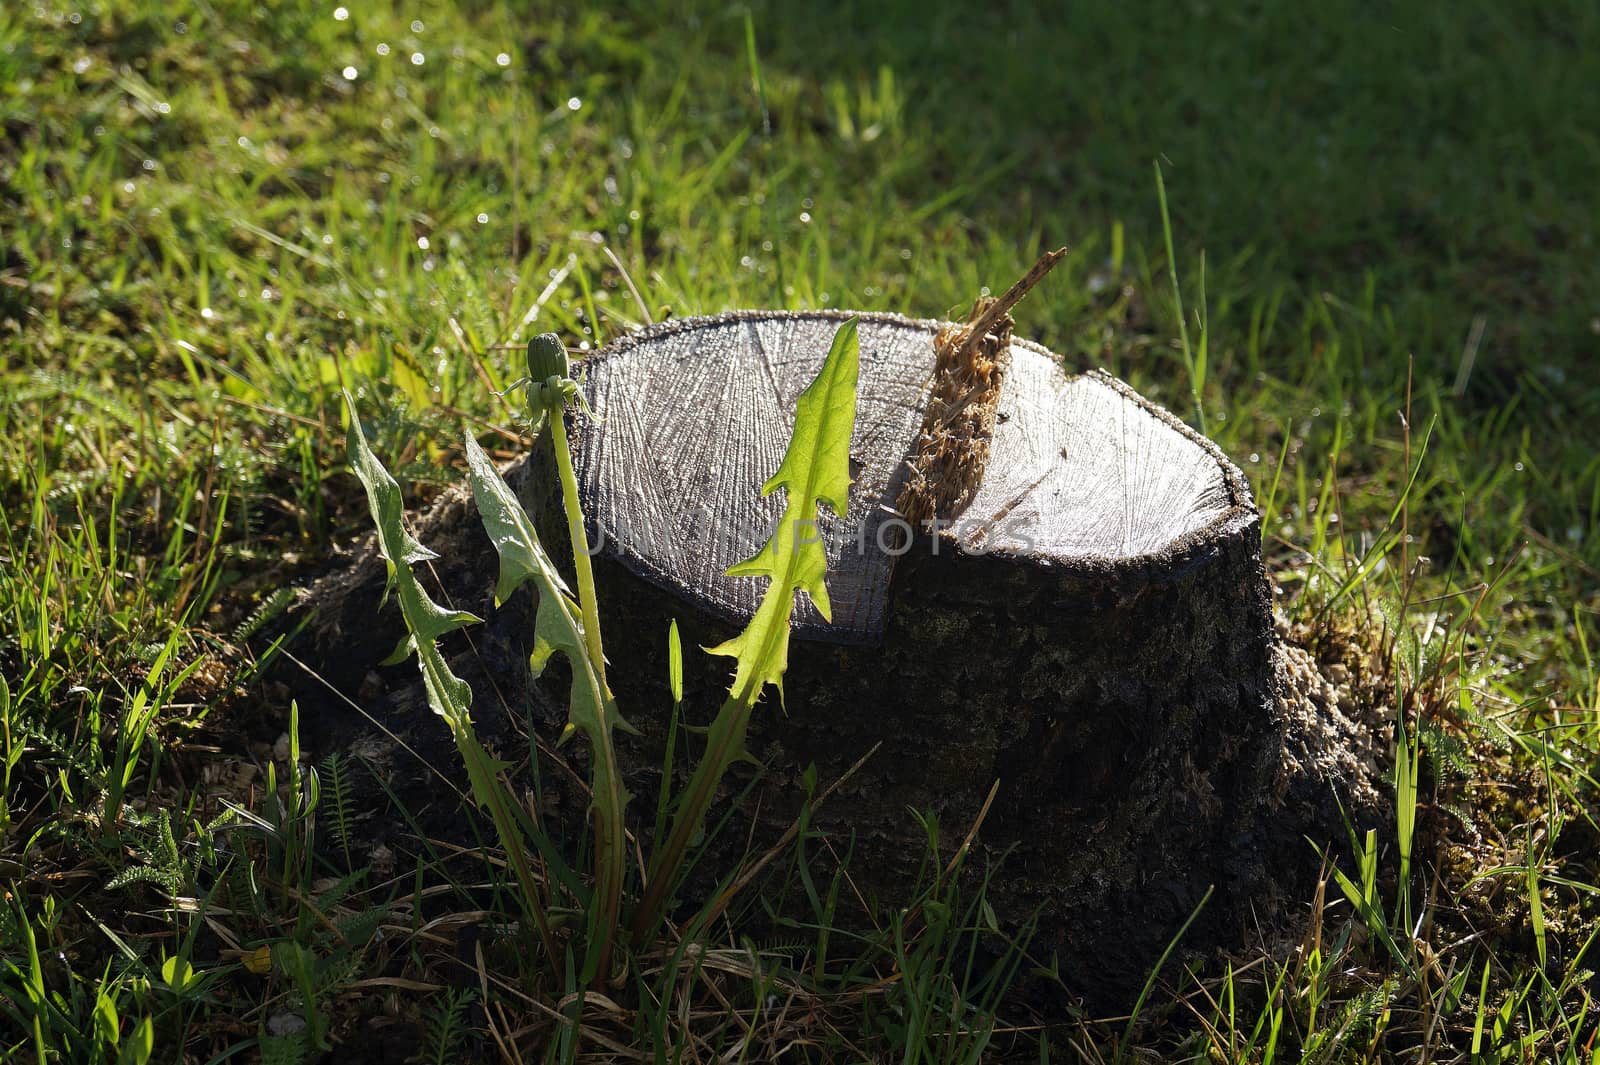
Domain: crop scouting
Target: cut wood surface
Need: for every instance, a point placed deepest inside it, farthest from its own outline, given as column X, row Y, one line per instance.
column 695, row 414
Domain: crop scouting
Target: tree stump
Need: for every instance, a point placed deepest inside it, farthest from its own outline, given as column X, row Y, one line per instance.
column 1094, row 632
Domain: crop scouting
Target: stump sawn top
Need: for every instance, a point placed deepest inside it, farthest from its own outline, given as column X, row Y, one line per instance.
column 695, row 414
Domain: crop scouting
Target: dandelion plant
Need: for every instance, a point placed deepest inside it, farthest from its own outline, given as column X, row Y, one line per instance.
column 448, row 695
column 815, row 471
column 565, row 625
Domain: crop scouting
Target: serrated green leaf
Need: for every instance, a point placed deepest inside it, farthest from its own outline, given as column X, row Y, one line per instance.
column 397, row 546
column 426, row 621
column 557, row 627
column 448, row 695
column 522, row 557
column 815, row 472
column 402, row 651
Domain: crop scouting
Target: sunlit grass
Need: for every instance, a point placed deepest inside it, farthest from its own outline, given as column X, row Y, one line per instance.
column 212, row 220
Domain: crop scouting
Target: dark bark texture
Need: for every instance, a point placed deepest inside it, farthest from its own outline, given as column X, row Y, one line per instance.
column 1151, row 736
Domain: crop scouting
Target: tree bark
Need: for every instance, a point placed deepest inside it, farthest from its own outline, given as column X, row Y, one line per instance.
column 1093, row 635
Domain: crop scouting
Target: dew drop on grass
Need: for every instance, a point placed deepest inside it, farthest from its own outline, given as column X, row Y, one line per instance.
column 483, row 218
column 417, row 59
column 81, row 64
column 207, row 313
column 383, row 49
column 573, row 103
column 503, row 59
column 422, row 242
column 416, row 26
column 351, row 73
column 340, row 14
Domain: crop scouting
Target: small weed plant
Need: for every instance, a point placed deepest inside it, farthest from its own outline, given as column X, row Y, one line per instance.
column 618, row 924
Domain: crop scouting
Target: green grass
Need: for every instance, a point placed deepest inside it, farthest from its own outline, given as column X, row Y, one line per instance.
column 207, row 230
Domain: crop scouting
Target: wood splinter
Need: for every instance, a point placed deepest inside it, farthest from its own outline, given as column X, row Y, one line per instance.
column 970, row 362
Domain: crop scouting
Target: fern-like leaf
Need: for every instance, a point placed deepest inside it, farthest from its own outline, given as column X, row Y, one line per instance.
column 446, row 1026
column 270, row 608
column 338, row 798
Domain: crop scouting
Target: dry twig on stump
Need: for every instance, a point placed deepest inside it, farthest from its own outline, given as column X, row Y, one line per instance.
column 970, row 362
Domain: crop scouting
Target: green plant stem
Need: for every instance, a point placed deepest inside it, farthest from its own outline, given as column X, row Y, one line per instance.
column 726, row 740
column 611, row 841
column 587, row 600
